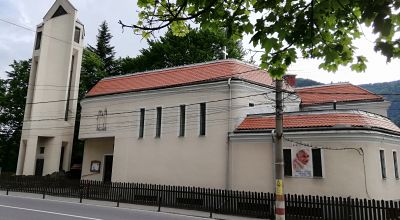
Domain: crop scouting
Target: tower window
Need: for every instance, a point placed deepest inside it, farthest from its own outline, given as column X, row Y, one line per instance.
column 77, row 35
column 38, row 40
column 60, row 11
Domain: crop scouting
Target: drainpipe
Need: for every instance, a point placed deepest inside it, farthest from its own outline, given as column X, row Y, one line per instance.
column 228, row 157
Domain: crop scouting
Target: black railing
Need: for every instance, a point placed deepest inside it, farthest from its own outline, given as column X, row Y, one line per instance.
column 253, row 204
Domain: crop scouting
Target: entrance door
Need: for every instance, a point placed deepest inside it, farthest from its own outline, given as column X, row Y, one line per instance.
column 39, row 167
column 108, row 162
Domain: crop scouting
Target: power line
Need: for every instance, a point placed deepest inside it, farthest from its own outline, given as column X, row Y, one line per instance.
column 153, row 109
column 29, row 29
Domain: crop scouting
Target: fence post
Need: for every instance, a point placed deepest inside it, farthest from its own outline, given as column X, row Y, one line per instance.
column 44, row 192
column 159, row 203
column 80, row 194
column 118, row 199
column 87, row 190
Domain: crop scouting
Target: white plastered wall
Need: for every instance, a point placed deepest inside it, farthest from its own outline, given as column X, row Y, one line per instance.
column 190, row 160
column 343, row 170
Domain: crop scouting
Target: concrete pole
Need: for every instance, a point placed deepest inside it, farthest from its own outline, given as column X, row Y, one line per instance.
column 279, row 166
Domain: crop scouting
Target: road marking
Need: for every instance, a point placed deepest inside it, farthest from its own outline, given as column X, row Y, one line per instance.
column 47, row 212
column 171, row 213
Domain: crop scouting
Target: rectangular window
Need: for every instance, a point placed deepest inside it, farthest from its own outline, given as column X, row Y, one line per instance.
column 71, row 74
column 38, row 40
column 158, row 125
column 77, row 35
column 396, row 166
column 41, row 150
column 182, row 120
column 202, row 119
column 317, row 163
column 383, row 163
column 287, row 159
column 141, row 126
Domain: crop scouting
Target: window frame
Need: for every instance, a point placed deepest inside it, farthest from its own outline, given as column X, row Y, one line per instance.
column 77, row 38
column 141, row 122
column 395, row 164
column 38, row 42
column 382, row 160
column 182, row 120
column 158, row 121
column 203, row 118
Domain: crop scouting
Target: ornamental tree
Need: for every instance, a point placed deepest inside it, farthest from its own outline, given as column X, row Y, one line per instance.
column 285, row 30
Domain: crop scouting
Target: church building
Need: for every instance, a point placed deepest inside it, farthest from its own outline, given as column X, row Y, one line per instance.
column 206, row 125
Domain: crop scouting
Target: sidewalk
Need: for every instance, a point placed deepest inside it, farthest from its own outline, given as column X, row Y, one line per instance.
column 193, row 213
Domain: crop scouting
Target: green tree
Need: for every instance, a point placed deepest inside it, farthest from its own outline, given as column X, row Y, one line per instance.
column 285, row 30
column 170, row 50
column 103, row 48
column 13, row 92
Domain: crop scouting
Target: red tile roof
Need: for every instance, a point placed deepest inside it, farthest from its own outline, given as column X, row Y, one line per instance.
column 339, row 92
column 184, row 75
column 319, row 119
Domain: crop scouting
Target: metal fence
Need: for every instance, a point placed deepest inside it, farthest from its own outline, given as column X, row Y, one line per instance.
column 252, row 204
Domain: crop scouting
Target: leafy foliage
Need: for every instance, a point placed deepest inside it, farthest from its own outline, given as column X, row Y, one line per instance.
column 285, row 30
column 195, row 47
column 13, row 92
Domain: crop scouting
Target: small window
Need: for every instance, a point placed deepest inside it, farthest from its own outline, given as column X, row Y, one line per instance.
column 317, row 163
column 77, row 35
column 202, row 119
column 182, row 120
column 158, row 124
column 38, row 40
column 396, row 166
column 41, row 150
column 287, row 159
column 141, row 126
column 251, row 104
column 383, row 163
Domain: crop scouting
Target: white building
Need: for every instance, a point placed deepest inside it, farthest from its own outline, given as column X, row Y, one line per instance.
column 49, row 120
column 210, row 124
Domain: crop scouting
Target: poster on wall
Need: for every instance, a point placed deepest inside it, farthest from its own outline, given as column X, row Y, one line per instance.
column 302, row 162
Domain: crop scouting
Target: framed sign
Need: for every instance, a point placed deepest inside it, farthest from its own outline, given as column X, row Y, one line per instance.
column 95, row 166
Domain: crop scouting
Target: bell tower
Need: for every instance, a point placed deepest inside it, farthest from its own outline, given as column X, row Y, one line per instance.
column 50, row 111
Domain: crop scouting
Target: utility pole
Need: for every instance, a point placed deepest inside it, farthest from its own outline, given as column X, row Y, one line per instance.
column 279, row 166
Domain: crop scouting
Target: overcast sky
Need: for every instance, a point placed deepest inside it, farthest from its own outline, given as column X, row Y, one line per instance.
column 17, row 43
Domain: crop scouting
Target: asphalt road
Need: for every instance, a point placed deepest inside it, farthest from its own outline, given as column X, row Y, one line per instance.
column 19, row 208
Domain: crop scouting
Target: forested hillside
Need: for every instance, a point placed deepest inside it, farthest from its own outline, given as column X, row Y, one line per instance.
column 300, row 82
column 388, row 88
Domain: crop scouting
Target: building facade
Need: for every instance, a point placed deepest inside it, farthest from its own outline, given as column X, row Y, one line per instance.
column 49, row 120
column 210, row 124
